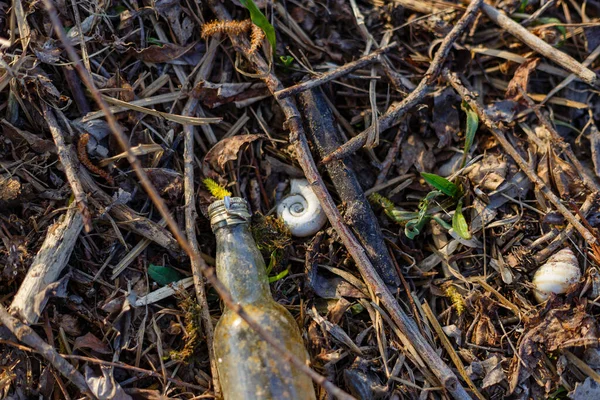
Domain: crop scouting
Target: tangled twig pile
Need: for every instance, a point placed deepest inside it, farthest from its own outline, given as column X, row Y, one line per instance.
column 453, row 148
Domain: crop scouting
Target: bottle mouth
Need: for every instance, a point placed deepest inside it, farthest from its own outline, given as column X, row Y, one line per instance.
column 229, row 211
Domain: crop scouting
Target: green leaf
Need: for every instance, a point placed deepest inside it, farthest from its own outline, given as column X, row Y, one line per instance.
column 286, row 60
column 440, row 183
column 279, row 276
column 459, row 223
column 415, row 226
column 442, row 223
column 163, row 275
column 472, row 125
column 261, row 21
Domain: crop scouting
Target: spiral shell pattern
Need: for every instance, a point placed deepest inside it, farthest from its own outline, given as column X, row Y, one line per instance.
column 300, row 210
column 556, row 275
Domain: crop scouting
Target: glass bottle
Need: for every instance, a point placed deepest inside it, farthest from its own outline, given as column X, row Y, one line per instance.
column 248, row 367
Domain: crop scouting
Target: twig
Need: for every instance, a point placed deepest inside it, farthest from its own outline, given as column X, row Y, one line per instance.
column 70, row 164
column 325, row 136
column 164, row 211
column 538, row 45
column 469, row 97
column 28, row 336
column 190, row 230
column 451, row 352
column 130, row 220
column 565, row 234
column 587, row 62
column 133, row 368
column 336, row 73
column 537, row 13
column 293, row 122
column 392, row 116
column 47, row 265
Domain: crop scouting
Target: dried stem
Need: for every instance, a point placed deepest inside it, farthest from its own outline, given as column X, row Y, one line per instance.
column 190, row 230
column 470, row 97
column 70, row 164
column 393, row 114
column 336, row 73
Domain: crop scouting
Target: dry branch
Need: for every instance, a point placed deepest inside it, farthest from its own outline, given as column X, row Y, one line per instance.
column 538, row 45
column 47, row 265
column 334, row 74
column 70, row 164
column 395, row 112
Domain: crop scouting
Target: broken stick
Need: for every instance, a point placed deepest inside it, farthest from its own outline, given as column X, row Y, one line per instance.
column 47, row 265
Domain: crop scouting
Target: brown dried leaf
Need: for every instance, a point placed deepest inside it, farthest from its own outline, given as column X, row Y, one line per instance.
column 446, row 121
column 17, row 135
column 562, row 327
column 89, row 341
column 164, row 53
column 415, row 152
column 521, row 78
column 105, row 386
column 168, row 182
column 227, row 150
column 565, row 177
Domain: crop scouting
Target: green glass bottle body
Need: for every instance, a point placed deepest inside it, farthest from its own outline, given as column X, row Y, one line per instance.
column 248, row 367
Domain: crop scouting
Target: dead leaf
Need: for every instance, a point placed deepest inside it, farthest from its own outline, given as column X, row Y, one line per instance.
column 567, row 326
column 89, row 341
column 54, row 289
column 214, row 95
column 588, row 390
column 168, row 182
column 17, row 135
column 521, row 78
column 490, row 172
column 446, row 123
column 415, row 152
column 227, row 150
column 164, row 53
column 105, row 386
column 565, row 177
column 70, row 324
column 181, row 25
column 502, row 111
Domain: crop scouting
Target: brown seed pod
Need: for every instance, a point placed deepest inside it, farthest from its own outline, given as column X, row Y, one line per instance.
column 85, row 160
column 229, row 27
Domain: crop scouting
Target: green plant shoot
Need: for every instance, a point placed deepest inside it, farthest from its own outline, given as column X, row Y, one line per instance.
column 472, row 125
column 442, row 184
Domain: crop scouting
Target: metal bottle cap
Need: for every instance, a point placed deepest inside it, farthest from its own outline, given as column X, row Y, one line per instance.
column 229, row 211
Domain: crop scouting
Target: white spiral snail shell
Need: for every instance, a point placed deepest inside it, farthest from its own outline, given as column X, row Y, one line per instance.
column 300, row 210
column 556, row 275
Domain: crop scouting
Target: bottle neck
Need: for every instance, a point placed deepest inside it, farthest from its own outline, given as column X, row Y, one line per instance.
column 240, row 266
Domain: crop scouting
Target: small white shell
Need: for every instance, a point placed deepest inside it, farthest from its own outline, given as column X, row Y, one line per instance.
column 300, row 210
column 556, row 275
